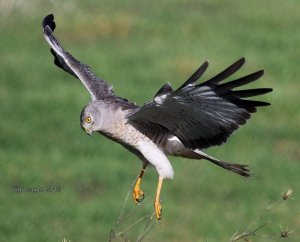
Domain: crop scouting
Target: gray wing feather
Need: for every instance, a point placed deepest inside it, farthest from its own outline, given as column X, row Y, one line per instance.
column 206, row 114
column 97, row 87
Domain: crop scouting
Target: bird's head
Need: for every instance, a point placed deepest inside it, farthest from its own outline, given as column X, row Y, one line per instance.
column 90, row 118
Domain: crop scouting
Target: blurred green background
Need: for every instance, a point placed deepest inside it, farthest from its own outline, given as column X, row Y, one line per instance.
column 138, row 46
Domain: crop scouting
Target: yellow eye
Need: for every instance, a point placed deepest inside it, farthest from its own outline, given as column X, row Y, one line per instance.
column 88, row 119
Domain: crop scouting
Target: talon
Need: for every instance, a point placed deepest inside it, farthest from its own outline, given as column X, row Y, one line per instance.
column 139, row 201
column 158, row 210
column 138, row 194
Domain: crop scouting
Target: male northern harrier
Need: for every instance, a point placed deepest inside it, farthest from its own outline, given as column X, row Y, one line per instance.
column 176, row 122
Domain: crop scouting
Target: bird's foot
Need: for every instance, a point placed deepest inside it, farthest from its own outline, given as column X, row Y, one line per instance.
column 158, row 210
column 138, row 194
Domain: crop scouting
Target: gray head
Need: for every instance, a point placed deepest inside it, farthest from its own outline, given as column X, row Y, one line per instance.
column 91, row 118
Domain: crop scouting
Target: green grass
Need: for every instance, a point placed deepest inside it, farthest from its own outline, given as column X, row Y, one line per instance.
column 138, row 47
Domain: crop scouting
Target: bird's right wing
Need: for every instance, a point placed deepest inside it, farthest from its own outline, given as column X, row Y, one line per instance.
column 97, row 87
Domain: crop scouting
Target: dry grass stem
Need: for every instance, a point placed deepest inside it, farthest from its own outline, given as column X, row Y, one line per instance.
column 253, row 232
column 124, row 216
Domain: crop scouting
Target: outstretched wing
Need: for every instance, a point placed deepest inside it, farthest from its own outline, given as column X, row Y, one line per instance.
column 97, row 87
column 206, row 114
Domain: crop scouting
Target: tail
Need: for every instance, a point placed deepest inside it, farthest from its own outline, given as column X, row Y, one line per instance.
column 176, row 148
column 242, row 170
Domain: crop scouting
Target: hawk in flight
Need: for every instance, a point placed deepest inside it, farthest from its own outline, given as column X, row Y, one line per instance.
column 178, row 122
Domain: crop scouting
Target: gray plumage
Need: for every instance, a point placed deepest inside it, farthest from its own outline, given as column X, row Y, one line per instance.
column 176, row 122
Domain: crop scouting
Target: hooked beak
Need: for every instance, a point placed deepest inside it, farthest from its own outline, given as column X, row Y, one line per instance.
column 89, row 132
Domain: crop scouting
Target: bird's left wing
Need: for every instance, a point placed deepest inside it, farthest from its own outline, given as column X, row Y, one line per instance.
column 206, row 114
column 97, row 87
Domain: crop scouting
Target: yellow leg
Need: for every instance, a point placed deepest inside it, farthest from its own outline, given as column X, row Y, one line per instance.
column 157, row 205
column 137, row 193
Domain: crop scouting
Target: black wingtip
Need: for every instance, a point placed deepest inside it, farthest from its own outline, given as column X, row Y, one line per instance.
column 243, row 80
column 242, row 60
column 206, row 63
column 251, row 92
column 258, row 74
column 239, row 63
column 267, row 90
column 196, row 75
column 226, row 73
column 49, row 21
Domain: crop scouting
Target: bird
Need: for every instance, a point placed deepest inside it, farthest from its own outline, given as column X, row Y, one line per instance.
column 177, row 122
